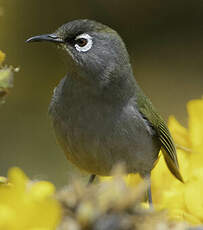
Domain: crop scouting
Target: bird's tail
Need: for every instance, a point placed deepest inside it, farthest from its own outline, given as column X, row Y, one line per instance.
column 174, row 168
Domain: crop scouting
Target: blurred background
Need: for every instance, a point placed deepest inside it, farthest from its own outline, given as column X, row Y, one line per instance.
column 164, row 39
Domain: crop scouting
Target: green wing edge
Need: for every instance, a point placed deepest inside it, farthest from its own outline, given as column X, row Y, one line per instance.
column 169, row 151
column 167, row 145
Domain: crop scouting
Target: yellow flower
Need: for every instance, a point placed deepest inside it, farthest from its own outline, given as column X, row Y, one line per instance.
column 2, row 57
column 183, row 201
column 27, row 205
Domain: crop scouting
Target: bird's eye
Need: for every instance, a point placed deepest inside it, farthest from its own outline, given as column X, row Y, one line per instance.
column 83, row 42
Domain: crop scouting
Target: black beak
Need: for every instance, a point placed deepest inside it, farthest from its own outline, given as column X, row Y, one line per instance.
column 46, row 37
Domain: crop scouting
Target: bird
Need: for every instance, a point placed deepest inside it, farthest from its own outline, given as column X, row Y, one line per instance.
column 100, row 115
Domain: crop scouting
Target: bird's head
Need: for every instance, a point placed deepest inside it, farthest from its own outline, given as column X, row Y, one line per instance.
column 96, row 50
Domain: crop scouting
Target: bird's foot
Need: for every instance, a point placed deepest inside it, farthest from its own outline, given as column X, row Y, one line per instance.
column 91, row 179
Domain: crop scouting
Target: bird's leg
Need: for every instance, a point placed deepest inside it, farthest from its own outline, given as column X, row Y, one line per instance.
column 149, row 192
column 149, row 195
column 91, row 179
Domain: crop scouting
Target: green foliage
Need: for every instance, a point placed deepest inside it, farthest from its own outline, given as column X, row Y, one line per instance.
column 6, row 77
column 6, row 81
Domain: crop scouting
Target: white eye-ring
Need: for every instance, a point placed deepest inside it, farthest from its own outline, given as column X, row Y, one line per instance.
column 83, row 42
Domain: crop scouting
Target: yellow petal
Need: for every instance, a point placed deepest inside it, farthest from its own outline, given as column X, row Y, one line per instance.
column 178, row 132
column 193, row 195
column 171, row 199
column 145, row 205
column 3, row 180
column 130, row 179
column 166, row 189
column 182, row 216
column 25, row 205
column 7, row 215
column 159, row 175
column 42, row 228
column 105, row 178
column 2, row 57
column 133, row 179
column 42, row 189
column 195, row 110
column 42, row 214
column 18, row 179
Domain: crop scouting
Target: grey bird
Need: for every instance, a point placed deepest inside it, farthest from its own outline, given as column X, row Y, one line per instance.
column 100, row 115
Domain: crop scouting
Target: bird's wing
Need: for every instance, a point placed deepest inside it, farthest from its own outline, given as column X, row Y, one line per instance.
column 168, row 149
column 167, row 145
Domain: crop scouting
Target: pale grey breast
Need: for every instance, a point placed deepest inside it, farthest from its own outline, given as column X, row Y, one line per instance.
column 95, row 136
